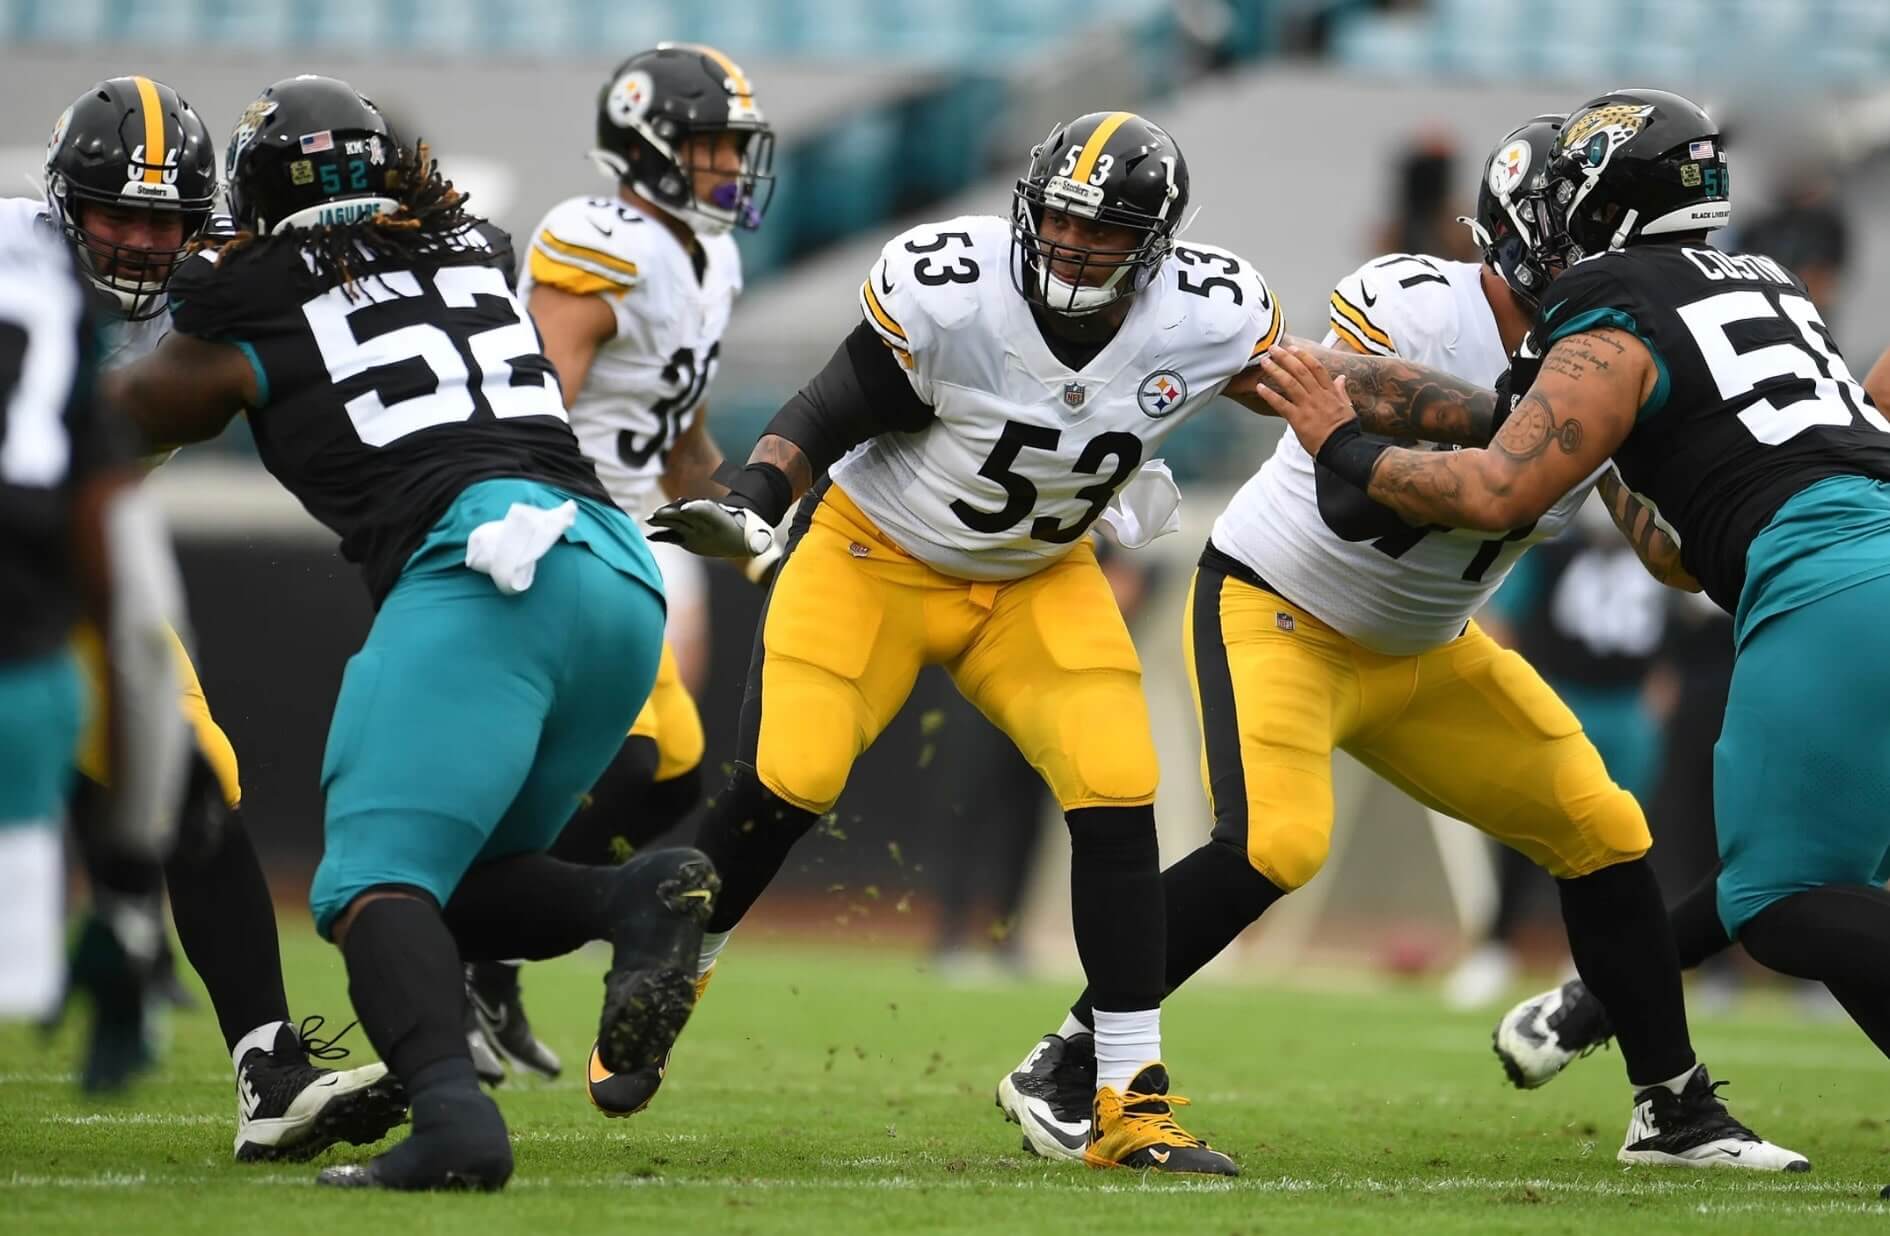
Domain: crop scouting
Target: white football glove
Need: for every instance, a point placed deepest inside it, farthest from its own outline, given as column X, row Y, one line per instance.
column 713, row 529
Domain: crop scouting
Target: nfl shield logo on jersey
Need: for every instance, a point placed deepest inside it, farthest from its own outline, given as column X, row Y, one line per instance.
column 1161, row 393
column 1074, row 393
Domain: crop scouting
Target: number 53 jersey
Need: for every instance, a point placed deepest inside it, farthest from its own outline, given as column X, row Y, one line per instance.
column 1352, row 562
column 649, row 383
column 1023, row 453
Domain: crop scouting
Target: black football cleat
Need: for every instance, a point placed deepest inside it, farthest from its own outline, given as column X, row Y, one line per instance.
column 1694, row 1129
column 1050, row 1095
column 492, row 989
column 288, row 1108
column 1544, row 1034
column 663, row 901
column 1137, row 1129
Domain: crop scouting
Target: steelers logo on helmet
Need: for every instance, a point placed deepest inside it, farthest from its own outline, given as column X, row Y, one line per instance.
column 58, row 132
column 629, row 98
column 1161, row 393
column 1508, row 169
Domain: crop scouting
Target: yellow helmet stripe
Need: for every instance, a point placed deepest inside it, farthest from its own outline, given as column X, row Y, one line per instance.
column 153, row 130
column 1364, row 323
column 1093, row 148
column 745, row 93
column 877, row 310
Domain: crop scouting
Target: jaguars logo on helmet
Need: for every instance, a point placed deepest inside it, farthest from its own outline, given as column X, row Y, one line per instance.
column 652, row 117
column 1114, row 168
column 311, row 152
column 130, row 144
column 1629, row 164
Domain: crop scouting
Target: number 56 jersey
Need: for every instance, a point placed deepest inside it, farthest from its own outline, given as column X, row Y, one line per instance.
column 1023, row 453
column 1348, row 560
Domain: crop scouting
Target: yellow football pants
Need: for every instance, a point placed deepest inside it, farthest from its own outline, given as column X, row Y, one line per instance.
column 1469, row 729
column 94, row 756
column 669, row 717
column 853, row 618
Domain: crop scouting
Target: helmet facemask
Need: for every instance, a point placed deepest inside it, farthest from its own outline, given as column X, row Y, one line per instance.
column 134, row 276
column 1094, row 278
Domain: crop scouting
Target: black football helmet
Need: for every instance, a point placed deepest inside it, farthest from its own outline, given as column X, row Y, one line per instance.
column 1507, row 227
column 130, row 143
column 651, row 107
column 1633, row 164
column 1112, row 167
column 311, row 152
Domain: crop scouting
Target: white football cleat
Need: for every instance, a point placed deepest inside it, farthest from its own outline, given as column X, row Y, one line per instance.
column 1540, row 1037
column 1051, row 1096
column 1694, row 1129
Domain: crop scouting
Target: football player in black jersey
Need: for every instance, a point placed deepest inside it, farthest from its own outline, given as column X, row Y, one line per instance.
column 396, row 387
column 131, row 180
column 78, row 538
column 1721, row 395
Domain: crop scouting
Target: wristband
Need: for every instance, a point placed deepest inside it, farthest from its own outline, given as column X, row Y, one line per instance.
column 1348, row 453
column 763, row 489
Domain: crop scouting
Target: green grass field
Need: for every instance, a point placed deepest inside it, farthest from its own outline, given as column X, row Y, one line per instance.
column 821, row 1090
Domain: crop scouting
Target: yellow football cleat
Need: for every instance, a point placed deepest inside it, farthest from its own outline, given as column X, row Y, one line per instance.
column 1136, row 1129
column 625, row 1094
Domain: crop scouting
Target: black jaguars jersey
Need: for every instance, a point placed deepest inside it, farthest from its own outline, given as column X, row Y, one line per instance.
column 53, row 439
column 1753, row 402
column 380, row 407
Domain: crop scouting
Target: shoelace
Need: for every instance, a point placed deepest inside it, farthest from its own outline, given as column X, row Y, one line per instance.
column 1164, row 1119
column 321, row 1049
column 1710, row 1113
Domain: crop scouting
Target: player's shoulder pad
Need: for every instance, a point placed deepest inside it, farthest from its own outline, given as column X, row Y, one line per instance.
column 225, row 292
column 592, row 246
column 1217, row 313
column 1606, row 289
column 926, row 280
column 1392, row 304
column 24, row 217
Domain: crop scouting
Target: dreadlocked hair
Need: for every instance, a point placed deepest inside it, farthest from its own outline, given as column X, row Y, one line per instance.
column 432, row 214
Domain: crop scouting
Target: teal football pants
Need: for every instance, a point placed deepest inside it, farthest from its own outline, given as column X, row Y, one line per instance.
column 42, row 706
column 471, row 723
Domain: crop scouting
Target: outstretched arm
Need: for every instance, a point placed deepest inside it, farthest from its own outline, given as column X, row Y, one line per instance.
column 1581, row 407
column 185, row 390
column 1393, row 397
column 1658, row 551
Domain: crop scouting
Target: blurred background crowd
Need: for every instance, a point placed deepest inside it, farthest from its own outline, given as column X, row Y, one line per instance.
column 1320, row 133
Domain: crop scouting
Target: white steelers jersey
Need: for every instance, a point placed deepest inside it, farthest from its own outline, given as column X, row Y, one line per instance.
column 121, row 342
column 1024, row 454
column 649, row 383
column 1346, row 559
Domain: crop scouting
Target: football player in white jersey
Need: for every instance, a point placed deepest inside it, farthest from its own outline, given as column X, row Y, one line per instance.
column 130, row 184
column 1005, row 388
column 1319, row 619
column 631, row 294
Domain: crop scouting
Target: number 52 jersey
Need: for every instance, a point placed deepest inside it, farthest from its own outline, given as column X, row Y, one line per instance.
column 1023, row 454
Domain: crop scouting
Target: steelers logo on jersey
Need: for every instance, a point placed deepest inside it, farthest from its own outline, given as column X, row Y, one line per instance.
column 1161, row 393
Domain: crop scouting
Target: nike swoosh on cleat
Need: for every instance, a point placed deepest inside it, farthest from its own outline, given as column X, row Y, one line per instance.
column 700, row 894
column 1160, row 1156
column 1069, row 1141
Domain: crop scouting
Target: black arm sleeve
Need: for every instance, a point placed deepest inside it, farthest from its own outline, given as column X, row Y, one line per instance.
column 861, row 394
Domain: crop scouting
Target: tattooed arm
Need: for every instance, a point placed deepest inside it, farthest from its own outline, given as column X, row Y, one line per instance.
column 1394, row 397
column 1581, row 407
column 1658, row 551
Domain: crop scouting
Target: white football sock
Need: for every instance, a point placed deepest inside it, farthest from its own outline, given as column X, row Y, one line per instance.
column 1125, row 1043
column 1676, row 1086
column 263, row 1036
column 1072, row 1027
column 712, row 945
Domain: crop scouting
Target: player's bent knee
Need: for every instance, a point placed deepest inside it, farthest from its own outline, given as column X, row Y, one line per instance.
column 1103, row 753
column 1289, row 855
column 1613, row 830
column 414, row 850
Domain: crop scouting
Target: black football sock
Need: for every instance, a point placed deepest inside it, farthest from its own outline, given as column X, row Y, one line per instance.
column 226, row 922
column 1623, row 948
column 1698, row 934
column 1211, row 896
column 747, row 834
column 1515, row 876
column 529, row 907
column 458, row 1139
column 667, row 805
column 603, row 831
column 1838, row 935
column 1116, row 905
